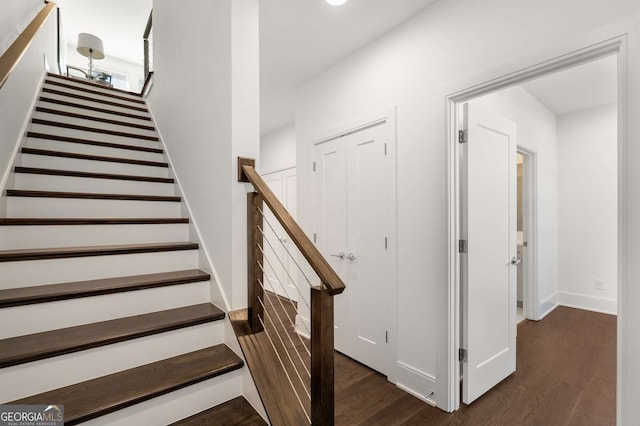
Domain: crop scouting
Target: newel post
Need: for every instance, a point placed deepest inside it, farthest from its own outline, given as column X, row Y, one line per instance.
column 254, row 258
column 322, row 358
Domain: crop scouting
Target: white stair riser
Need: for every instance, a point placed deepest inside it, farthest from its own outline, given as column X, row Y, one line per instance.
column 64, row 370
column 62, row 163
column 82, row 92
column 29, row 319
column 81, row 86
column 94, row 104
column 54, row 271
column 176, row 405
column 94, row 136
column 92, row 123
column 82, row 184
column 41, row 236
column 79, row 148
column 108, row 115
column 24, row 207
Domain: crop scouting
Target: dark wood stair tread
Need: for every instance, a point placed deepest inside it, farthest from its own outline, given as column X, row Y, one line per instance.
column 93, row 108
column 89, row 251
column 93, row 129
column 93, row 398
column 90, row 83
column 36, row 221
column 47, row 344
column 94, row 92
column 90, row 99
column 73, row 290
column 73, row 173
column 89, row 195
column 94, row 118
column 62, row 154
column 59, row 138
column 236, row 411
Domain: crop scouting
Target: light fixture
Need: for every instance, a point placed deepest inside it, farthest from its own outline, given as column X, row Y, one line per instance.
column 91, row 47
column 336, row 2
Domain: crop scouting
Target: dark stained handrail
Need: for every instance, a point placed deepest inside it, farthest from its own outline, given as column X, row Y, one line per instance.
column 319, row 264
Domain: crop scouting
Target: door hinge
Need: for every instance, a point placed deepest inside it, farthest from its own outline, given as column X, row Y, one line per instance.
column 462, row 136
column 314, row 166
column 386, row 243
column 462, row 355
column 462, row 246
column 314, row 237
column 386, row 337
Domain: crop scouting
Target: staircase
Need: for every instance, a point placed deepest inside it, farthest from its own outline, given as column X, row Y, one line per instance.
column 103, row 305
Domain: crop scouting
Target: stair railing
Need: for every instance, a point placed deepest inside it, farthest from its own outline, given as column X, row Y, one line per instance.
column 147, row 45
column 10, row 58
column 305, row 351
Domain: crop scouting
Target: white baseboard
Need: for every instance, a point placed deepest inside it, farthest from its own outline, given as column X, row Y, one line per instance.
column 590, row 303
column 303, row 326
column 547, row 305
column 416, row 382
column 7, row 174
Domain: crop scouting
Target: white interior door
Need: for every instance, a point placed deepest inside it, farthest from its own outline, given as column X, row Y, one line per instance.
column 279, row 270
column 488, row 275
column 330, row 199
column 352, row 184
column 368, row 279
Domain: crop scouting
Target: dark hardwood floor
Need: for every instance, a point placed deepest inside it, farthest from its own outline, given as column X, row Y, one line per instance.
column 566, row 375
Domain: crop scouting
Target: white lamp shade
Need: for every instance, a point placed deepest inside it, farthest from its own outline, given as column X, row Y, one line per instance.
column 89, row 42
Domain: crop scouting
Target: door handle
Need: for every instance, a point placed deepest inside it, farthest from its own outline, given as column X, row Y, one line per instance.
column 339, row 255
column 516, row 261
column 351, row 257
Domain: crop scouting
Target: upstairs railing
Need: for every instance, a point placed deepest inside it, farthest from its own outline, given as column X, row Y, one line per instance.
column 147, row 44
column 277, row 307
column 147, row 41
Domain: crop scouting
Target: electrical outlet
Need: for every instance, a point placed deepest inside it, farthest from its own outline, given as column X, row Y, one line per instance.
column 599, row 285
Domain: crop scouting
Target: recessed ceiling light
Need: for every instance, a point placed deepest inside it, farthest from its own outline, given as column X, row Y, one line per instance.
column 336, row 2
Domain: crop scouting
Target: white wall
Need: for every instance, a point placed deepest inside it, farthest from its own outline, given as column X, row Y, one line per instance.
column 207, row 111
column 588, row 208
column 537, row 132
column 453, row 45
column 278, row 150
column 15, row 16
column 17, row 97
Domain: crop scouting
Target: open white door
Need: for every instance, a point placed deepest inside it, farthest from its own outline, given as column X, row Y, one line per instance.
column 488, row 274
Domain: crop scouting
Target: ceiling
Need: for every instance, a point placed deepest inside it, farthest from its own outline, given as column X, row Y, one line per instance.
column 119, row 23
column 583, row 87
column 301, row 39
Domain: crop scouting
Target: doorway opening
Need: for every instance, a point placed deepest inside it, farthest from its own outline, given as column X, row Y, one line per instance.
column 526, row 294
column 527, row 252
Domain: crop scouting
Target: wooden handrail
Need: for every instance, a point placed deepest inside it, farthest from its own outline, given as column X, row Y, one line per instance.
column 14, row 53
column 319, row 264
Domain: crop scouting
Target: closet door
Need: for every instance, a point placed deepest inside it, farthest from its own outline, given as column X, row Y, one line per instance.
column 352, row 205
column 330, row 199
column 280, row 270
column 368, row 281
column 274, row 273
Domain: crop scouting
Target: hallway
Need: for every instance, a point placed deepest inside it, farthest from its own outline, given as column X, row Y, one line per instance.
column 566, row 372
